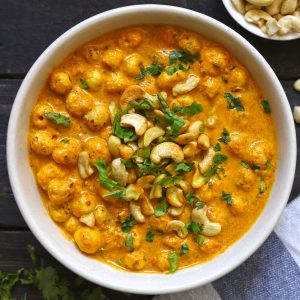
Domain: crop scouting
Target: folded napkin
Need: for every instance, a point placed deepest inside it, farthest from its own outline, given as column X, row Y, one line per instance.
column 272, row 272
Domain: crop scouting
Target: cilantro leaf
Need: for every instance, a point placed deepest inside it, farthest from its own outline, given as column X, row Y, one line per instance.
column 172, row 119
column 129, row 242
column 184, row 249
column 150, row 236
column 219, row 158
column 217, row 148
column 65, row 140
column 154, row 70
column 234, row 102
column 58, row 119
column 83, row 84
column 173, row 69
column 148, row 168
column 247, row 165
column 213, row 170
column 227, row 198
column 173, row 259
column 142, row 105
column 184, row 167
column 127, row 224
column 117, row 193
column 125, row 133
column 225, row 138
column 262, row 185
column 194, row 201
column 168, row 181
column 266, row 106
column 183, row 56
column 194, row 227
column 161, row 209
column 189, row 110
column 103, row 174
column 200, row 239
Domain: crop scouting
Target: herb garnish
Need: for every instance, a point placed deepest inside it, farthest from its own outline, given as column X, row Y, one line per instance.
column 154, row 70
column 65, row 140
column 173, row 258
column 161, row 209
column 194, row 227
column 213, row 170
column 129, row 242
column 200, row 239
column 227, row 198
column 173, row 69
column 194, row 201
column 183, row 56
column 225, row 138
column 127, row 224
column 168, row 181
column 83, row 84
column 266, row 106
column 125, row 133
column 262, row 185
column 249, row 166
column 234, row 102
column 189, row 110
column 217, row 148
column 184, row 249
column 150, row 236
column 103, row 174
column 148, row 168
column 58, row 119
column 184, row 167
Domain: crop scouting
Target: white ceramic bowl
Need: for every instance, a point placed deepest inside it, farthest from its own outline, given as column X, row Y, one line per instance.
column 29, row 200
column 239, row 18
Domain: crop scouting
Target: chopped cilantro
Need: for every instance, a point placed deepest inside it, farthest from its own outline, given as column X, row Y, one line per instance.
column 161, row 209
column 173, row 69
column 150, row 236
column 217, row 148
column 234, row 102
column 129, row 242
column 225, row 138
column 213, row 170
column 83, row 84
column 127, row 224
column 249, row 166
column 173, row 259
column 183, row 56
column 103, row 174
column 148, row 168
column 58, row 119
column 154, row 70
column 65, row 140
column 117, row 193
column 266, row 106
column 184, row 167
column 168, row 181
column 194, row 200
column 194, row 227
column 189, row 110
column 262, row 185
column 200, row 239
column 227, row 198
column 202, row 129
column 219, row 158
column 125, row 133
column 184, row 249
column 172, row 119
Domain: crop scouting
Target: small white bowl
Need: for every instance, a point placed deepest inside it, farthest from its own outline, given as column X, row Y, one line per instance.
column 25, row 189
column 239, row 18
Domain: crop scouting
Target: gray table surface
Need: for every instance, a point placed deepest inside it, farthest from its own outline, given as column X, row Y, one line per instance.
column 26, row 29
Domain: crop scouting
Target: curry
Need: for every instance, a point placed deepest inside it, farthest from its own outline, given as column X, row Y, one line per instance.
column 153, row 148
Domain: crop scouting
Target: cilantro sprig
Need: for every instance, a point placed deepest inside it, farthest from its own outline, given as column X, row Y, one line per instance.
column 234, row 102
column 103, row 174
column 58, row 119
column 189, row 110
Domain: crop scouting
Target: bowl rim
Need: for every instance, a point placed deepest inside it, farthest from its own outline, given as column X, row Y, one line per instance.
column 239, row 18
column 12, row 167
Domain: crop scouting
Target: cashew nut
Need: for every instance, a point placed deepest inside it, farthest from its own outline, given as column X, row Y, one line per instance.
column 135, row 211
column 184, row 185
column 175, row 197
column 289, row 23
column 203, row 141
column 297, row 85
column 176, row 211
column 112, row 111
column 184, row 87
column 288, row 7
column 171, row 169
column 274, row 8
column 272, row 26
column 133, row 192
column 239, row 5
column 250, row 6
column 146, row 181
column 113, row 144
column 151, row 134
column 194, row 128
column 138, row 122
column 133, row 92
column 156, row 192
column 199, row 216
column 190, row 149
column 207, row 161
column 258, row 17
column 198, row 180
column 261, row 2
column 88, row 219
column 178, row 226
column 296, row 114
column 85, row 170
column 185, row 138
column 166, row 150
column 119, row 172
column 146, row 206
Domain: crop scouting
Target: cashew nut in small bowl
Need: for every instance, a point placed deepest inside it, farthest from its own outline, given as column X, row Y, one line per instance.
column 184, row 87
column 135, row 211
column 239, row 5
column 152, row 134
column 258, row 17
column 260, row 2
column 288, row 24
column 178, row 226
column 199, row 216
column 85, row 170
column 166, row 150
column 288, row 7
column 119, row 172
column 138, row 122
